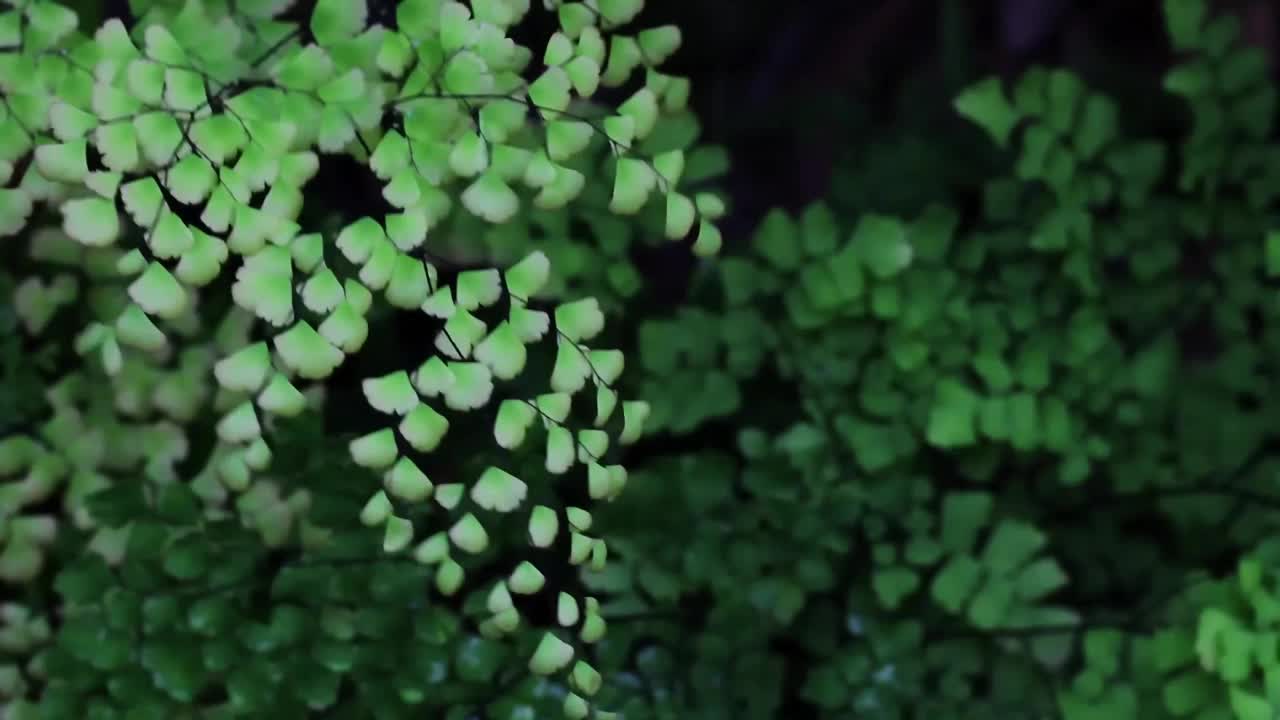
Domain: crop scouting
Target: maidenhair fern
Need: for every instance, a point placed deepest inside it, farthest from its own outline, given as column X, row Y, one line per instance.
column 314, row 399
column 177, row 155
column 1007, row 458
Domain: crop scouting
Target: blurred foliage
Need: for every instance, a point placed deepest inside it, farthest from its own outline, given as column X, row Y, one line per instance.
column 1000, row 443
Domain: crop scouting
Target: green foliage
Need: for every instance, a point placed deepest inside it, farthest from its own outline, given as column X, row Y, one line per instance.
column 1000, row 446
column 193, row 307
column 1011, row 462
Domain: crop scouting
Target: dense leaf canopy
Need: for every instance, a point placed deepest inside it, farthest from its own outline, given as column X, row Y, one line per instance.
column 325, row 340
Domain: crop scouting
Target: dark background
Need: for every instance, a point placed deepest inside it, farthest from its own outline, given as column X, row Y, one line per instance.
column 797, row 89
